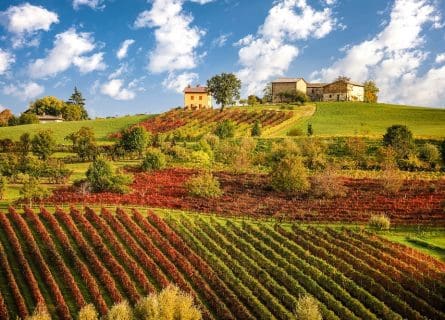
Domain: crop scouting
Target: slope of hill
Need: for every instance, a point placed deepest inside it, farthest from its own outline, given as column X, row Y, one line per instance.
column 102, row 127
column 235, row 270
column 349, row 118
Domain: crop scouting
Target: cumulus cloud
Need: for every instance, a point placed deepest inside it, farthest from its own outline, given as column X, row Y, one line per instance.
column 24, row 91
column 25, row 20
column 270, row 52
column 221, row 40
column 176, row 39
column 178, row 82
column 393, row 57
column 115, row 89
column 93, row 4
column 440, row 58
column 69, row 49
column 123, row 49
column 6, row 59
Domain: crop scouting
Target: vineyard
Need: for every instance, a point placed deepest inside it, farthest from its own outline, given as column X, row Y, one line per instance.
column 418, row 202
column 196, row 123
column 235, row 270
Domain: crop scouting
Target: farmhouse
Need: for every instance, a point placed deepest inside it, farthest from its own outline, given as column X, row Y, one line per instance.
column 339, row 90
column 197, row 98
column 48, row 118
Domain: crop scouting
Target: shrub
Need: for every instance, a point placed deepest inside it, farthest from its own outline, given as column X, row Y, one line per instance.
column 310, row 130
column 244, row 156
column 379, row 222
column 279, row 150
column 120, row 311
column 295, row 132
column 84, row 143
column 225, row 129
column 88, row 313
column 430, row 154
column 169, row 304
column 392, row 180
column 200, row 159
column 290, row 175
column 135, row 139
column 179, row 153
column 212, row 140
column 204, row 185
column 400, row 138
column 3, row 184
column 43, row 144
column 101, row 178
column 154, row 160
column 314, row 152
column 386, row 157
column 411, row 163
column 327, row 184
column 226, row 152
column 256, row 129
column 307, row 308
column 31, row 190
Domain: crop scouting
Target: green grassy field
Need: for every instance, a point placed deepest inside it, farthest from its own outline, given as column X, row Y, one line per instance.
column 102, row 128
column 355, row 118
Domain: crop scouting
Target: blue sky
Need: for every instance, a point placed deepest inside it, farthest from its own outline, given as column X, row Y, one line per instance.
column 135, row 56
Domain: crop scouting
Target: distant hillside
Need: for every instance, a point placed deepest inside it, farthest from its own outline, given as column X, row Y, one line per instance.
column 351, row 118
column 102, row 127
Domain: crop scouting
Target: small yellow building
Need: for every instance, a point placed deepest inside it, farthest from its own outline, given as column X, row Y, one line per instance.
column 196, row 98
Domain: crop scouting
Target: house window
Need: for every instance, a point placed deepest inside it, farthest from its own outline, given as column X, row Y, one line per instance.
column 200, row 97
column 192, row 97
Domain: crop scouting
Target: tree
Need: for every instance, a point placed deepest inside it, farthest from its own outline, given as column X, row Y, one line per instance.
column 256, row 129
column 101, row 178
column 371, row 92
column 225, row 129
column 84, row 143
column 400, row 138
column 77, row 99
column 253, row 100
column 307, row 309
column 169, row 304
column 43, row 144
column 24, row 144
column 28, row 118
column 5, row 116
column 154, row 160
column 48, row 105
column 242, row 101
column 204, row 185
column 225, row 88
column 134, row 139
column 32, row 190
column 343, row 78
column 310, row 130
column 73, row 112
column 267, row 93
column 290, row 175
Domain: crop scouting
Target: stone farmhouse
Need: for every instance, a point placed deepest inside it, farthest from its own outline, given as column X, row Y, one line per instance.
column 340, row 90
column 197, row 98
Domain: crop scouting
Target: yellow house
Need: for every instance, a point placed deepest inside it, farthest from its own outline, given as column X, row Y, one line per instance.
column 196, row 98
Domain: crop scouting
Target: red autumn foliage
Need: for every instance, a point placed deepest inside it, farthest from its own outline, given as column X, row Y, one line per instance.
column 249, row 194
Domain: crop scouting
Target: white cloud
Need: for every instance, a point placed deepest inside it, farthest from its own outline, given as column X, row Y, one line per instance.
column 93, row 4
column 122, row 52
column 69, row 49
column 178, row 82
column 6, row 59
column 440, row 58
column 270, row 52
column 116, row 90
column 176, row 39
column 221, row 40
column 24, row 91
column 119, row 71
column 202, row 1
column 25, row 20
column 393, row 57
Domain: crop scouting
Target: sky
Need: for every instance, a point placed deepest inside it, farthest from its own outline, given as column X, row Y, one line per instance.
column 136, row 56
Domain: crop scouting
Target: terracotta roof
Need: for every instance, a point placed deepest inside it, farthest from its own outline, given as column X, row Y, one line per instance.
column 316, row 85
column 285, row 80
column 195, row 90
column 350, row 82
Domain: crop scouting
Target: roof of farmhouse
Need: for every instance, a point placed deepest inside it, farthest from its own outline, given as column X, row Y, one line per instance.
column 285, row 80
column 197, row 89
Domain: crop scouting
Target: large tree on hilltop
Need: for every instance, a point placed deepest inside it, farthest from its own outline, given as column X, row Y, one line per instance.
column 76, row 99
column 225, row 88
column 371, row 91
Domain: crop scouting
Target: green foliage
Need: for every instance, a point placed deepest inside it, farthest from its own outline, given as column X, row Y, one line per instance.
column 40, row 313
column 32, row 190
column 154, row 160
column 295, row 132
column 279, row 150
column 310, row 130
column 101, row 178
column 88, row 313
column 400, row 138
column 293, row 97
column 267, row 93
column 371, row 92
column 379, row 222
column 76, row 99
column 28, row 118
column 256, row 129
column 135, row 139
column 73, row 112
column 314, row 152
column 386, row 157
column 169, row 304
column 84, row 143
column 200, row 159
column 253, row 100
column 430, row 154
column 48, row 105
column 307, row 308
column 3, row 184
column 225, row 129
column 24, row 144
column 43, row 144
column 290, row 176
column 204, row 185
column 225, row 88
column 120, row 311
